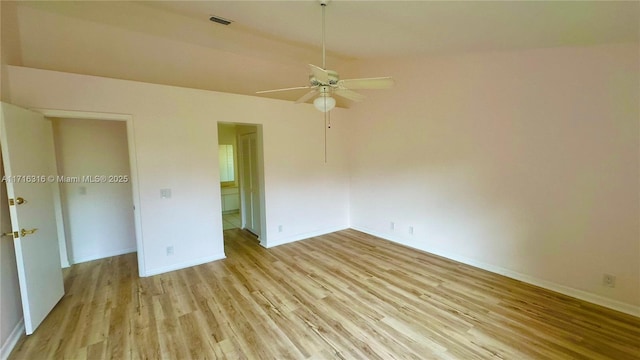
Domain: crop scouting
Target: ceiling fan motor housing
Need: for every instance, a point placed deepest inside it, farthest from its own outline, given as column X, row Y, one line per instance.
column 333, row 79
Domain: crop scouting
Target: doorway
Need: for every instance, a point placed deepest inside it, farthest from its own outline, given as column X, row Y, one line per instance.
column 229, row 181
column 131, row 203
column 95, row 188
column 241, row 177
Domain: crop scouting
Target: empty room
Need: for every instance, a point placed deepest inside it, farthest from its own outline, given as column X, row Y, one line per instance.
column 320, row 179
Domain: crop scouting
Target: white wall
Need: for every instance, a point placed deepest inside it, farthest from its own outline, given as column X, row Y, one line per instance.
column 175, row 133
column 525, row 163
column 98, row 216
column 10, row 46
column 11, row 325
column 4, row 85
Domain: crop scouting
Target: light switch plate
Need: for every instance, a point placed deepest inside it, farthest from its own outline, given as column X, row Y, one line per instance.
column 165, row 193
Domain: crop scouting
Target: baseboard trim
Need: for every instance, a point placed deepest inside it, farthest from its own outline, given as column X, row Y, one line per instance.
column 12, row 340
column 549, row 285
column 303, row 236
column 104, row 255
column 184, row 265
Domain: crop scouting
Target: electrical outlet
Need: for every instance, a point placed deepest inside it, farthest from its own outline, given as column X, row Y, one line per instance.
column 169, row 250
column 410, row 230
column 279, row 228
column 392, row 225
column 609, row 280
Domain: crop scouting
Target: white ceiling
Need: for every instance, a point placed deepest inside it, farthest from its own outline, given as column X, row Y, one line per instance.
column 374, row 29
column 270, row 42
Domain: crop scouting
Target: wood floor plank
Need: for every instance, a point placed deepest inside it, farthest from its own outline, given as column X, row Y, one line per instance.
column 345, row 295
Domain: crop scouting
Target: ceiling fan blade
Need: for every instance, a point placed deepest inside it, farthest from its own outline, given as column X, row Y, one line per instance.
column 307, row 96
column 348, row 94
column 320, row 74
column 286, row 89
column 368, row 83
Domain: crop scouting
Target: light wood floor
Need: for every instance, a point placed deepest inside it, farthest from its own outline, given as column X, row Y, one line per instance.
column 345, row 295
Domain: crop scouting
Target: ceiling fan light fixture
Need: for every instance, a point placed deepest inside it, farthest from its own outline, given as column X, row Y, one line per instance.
column 324, row 103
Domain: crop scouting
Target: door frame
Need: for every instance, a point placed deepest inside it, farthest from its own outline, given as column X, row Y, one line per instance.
column 128, row 119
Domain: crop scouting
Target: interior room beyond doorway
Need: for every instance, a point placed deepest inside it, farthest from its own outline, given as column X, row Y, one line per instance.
column 98, row 215
column 239, row 176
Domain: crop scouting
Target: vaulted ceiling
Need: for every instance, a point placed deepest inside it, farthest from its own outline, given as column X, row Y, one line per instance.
column 269, row 43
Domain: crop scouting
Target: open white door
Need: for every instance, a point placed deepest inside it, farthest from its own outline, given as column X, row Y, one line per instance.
column 28, row 154
column 249, row 183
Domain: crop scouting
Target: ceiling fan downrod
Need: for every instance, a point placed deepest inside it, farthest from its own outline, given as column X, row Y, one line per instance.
column 323, row 4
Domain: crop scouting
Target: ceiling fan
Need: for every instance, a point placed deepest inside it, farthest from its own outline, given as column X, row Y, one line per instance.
column 324, row 83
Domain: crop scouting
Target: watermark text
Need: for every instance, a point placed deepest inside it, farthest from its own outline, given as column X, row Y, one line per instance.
column 62, row 179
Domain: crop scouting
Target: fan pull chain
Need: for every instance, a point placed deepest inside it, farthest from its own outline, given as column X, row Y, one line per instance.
column 325, row 136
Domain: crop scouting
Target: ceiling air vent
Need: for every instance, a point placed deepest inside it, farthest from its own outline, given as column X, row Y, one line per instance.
column 220, row 20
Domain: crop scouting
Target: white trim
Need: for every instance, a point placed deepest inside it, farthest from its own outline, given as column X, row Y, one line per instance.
column 57, row 204
column 103, row 255
column 549, row 285
column 184, row 265
column 303, row 236
column 135, row 189
column 133, row 164
column 12, row 340
column 263, row 237
column 89, row 115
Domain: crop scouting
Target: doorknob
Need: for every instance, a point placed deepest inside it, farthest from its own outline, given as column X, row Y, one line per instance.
column 17, row 201
column 24, row 232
